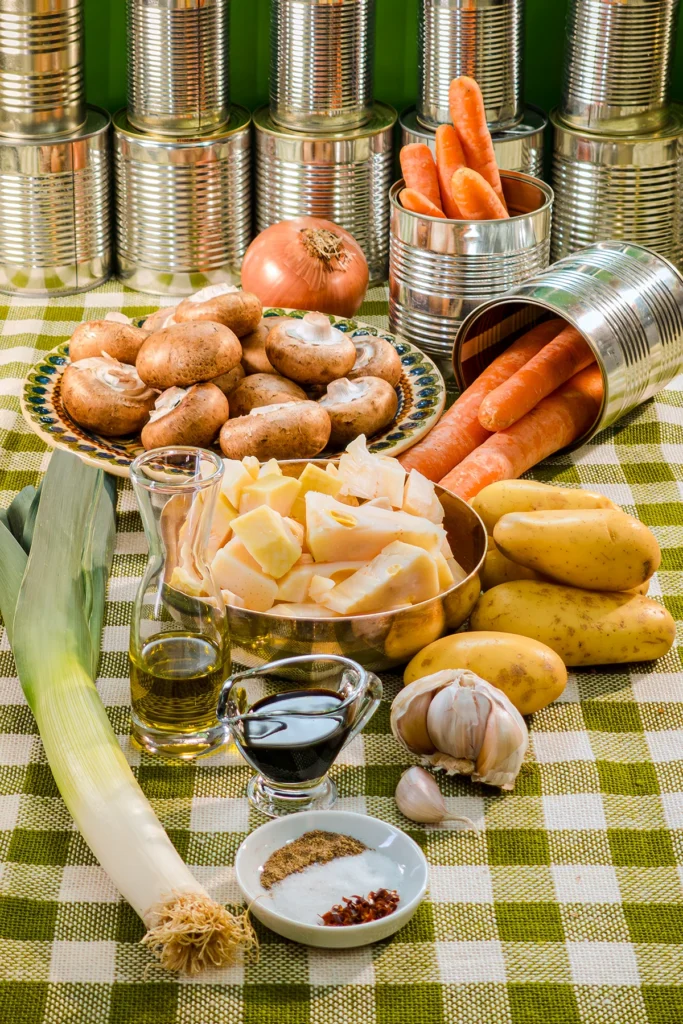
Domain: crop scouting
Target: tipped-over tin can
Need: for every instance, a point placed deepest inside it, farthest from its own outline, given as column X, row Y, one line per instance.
column 518, row 149
column 626, row 301
column 618, row 64
column 440, row 270
column 55, row 216
column 183, row 206
column 619, row 187
column 41, row 67
column 483, row 39
column 321, row 57
column 178, row 66
column 343, row 177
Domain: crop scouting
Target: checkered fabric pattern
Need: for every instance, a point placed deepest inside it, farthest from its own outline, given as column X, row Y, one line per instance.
column 566, row 908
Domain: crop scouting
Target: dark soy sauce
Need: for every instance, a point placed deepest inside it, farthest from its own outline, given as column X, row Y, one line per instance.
column 292, row 749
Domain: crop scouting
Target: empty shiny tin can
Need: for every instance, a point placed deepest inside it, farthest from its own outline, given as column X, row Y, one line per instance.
column 517, row 149
column 618, row 64
column 55, row 215
column 178, row 66
column 183, row 206
column 626, row 301
column 619, row 187
column 321, row 57
column 479, row 38
column 343, row 177
column 41, row 67
column 440, row 270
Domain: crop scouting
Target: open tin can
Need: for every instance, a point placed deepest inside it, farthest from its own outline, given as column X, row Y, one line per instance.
column 626, row 301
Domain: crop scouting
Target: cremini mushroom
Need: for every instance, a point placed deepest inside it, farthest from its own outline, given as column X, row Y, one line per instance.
column 227, row 382
column 164, row 317
column 187, row 353
column 193, row 416
column 293, row 430
column 375, row 357
column 264, row 389
column 361, row 406
column 254, row 358
column 115, row 335
column 223, row 304
column 310, row 350
column 106, row 396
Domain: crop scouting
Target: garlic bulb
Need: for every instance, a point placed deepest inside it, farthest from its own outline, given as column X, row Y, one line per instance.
column 459, row 723
column 419, row 798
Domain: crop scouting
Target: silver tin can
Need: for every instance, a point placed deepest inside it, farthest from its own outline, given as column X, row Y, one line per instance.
column 518, row 149
column 178, row 66
column 42, row 88
column 55, row 214
column 480, row 38
column 626, row 301
column 183, row 206
column 321, row 62
column 618, row 64
column 440, row 270
column 619, row 187
column 343, row 177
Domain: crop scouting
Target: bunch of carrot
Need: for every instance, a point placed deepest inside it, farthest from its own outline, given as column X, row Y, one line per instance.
column 544, row 392
column 464, row 182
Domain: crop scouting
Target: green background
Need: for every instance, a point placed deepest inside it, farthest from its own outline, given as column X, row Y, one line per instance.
column 395, row 52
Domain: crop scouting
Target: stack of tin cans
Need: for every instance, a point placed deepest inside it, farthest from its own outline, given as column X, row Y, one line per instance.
column 618, row 142
column 324, row 147
column 55, row 223
column 482, row 39
column 182, row 153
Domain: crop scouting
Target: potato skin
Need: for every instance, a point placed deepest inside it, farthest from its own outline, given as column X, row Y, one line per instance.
column 583, row 626
column 505, row 496
column 187, row 353
column 498, row 569
column 298, row 430
column 597, row 549
column 528, row 672
column 263, row 389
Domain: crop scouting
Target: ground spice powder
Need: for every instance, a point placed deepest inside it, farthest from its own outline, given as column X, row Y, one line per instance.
column 311, row 848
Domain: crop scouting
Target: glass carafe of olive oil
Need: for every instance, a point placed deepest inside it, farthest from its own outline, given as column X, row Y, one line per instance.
column 179, row 650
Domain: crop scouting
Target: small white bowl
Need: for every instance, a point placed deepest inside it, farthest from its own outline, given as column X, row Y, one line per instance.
column 377, row 835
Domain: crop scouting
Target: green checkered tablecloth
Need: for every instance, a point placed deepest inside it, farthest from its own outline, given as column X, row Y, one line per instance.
column 566, row 908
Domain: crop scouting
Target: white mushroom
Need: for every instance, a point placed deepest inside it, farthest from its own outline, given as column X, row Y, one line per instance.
column 361, row 406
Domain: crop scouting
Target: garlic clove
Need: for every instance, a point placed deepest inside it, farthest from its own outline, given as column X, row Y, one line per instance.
column 409, row 712
column 419, row 798
column 456, row 721
column 505, row 743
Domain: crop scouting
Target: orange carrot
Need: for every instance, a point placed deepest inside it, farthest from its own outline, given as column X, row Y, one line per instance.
column 556, row 421
column 459, row 431
column 469, row 117
column 419, row 171
column 561, row 358
column 449, row 158
column 475, row 198
column 418, row 203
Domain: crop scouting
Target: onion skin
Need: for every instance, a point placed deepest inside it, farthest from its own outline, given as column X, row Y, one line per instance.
column 281, row 272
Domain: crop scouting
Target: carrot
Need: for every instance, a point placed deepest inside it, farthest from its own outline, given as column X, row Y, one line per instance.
column 459, row 431
column 449, row 158
column 469, row 117
column 554, row 423
column 419, row 171
column 561, row 358
column 418, row 203
column 475, row 198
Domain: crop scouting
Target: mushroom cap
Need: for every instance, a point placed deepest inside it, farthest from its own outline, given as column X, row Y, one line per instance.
column 103, row 407
column 195, row 420
column 376, row 357
column 163, row 317
column 254, row 358
column 120, row 341
column 227, row 382
column 187, row 353
column 295, row 430
column 264, row 389
column 310, row 350
column 223, row 304
column 362, row 406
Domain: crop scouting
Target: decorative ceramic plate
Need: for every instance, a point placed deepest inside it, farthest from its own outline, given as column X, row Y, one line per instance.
column 421, row 398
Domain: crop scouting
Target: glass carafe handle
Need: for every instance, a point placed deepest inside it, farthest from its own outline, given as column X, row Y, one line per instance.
column 371, row 700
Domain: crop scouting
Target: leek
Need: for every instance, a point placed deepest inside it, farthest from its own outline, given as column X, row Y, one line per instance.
column 53, row 605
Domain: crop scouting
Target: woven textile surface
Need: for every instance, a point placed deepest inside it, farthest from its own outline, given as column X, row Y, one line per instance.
column 565, row 908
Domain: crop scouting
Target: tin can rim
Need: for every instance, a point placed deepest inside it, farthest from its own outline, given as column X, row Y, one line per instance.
column 96, row 122
column 673, row 128
column 542, row 187
column 239, row 119
column 409, row 120
column 383, row 117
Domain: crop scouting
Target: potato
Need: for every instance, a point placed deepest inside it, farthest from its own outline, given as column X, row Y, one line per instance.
column 529, row 673
column 505, row 496
column 584, row 627
column 597, row 549
column 499, row 569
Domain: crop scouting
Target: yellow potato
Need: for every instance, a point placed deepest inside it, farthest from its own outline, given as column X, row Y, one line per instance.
column 597, row 549
column 499, row 569
column 584, row 627
column 528, row 672
column 505, row 496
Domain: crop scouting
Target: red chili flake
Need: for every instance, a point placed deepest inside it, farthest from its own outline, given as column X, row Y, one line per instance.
column 358, row 910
